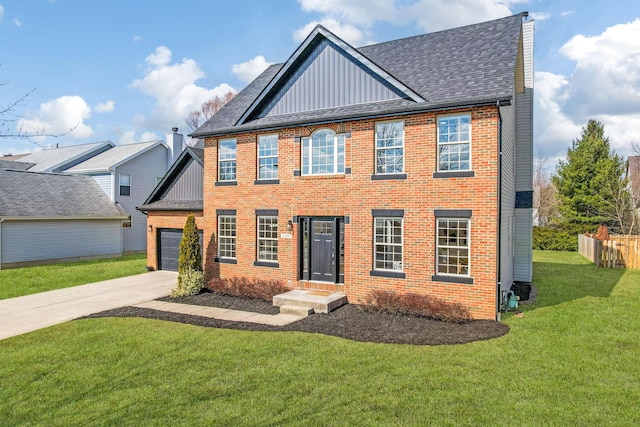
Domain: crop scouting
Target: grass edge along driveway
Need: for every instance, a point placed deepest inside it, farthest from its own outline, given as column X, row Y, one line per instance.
column 573, row 359
column 30, row 280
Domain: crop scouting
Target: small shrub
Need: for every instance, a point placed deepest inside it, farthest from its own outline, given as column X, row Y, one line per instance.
column 255, row 288
column 190, row 282
column 416, row 305
column 560, row 237
column 603, row 233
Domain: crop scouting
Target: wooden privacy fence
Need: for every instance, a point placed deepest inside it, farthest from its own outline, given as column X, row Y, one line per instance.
column 618, row 252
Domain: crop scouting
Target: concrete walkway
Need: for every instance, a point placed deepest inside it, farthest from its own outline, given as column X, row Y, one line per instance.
column 31, row 312
column 280, row 319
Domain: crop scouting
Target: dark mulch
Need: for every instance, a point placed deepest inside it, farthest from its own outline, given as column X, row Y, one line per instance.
column 349, row 321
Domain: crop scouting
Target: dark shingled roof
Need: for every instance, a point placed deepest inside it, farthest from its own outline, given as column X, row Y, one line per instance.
column 15, row 165
column 31, row 194
column 154, row 201
column 469, row 65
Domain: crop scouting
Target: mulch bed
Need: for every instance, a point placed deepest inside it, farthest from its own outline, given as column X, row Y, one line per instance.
column 349, row 321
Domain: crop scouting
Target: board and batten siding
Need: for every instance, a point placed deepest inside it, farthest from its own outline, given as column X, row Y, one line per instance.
column 327, row 78
column 189, row 185
column 105, row 182
column 143, row 169
column 24, row 241
column 523, row 266
column 507, row 196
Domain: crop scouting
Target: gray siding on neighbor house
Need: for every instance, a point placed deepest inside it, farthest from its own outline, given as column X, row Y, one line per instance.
column 507, row 196
column 327, row 78
column 187, row 186
column 24, row 241
column 523, row 267
column 143, row 169
column 105, row 182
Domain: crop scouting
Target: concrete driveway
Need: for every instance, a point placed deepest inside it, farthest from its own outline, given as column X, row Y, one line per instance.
column 29, row 313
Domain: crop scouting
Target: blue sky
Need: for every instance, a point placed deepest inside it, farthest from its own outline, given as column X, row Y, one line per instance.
column 128, row 71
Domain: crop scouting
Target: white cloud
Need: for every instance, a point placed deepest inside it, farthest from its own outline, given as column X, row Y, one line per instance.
column 59, row 116
column 567, row 13
column 247, row 71
column 172, row 86
column 604, row 85
column 129, row 137
column 136, row 39
column 352, row 11
column 346, row 32
column 436, row 15
column 1, row 12
column 104, row 107
column 539, row 16
column 161, row 56
column 17, row 22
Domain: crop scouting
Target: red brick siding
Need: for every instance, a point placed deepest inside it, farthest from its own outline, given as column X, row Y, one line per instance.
column 355, row 195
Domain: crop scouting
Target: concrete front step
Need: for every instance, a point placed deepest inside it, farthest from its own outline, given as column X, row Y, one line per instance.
column 298, row 310
column 320, row 301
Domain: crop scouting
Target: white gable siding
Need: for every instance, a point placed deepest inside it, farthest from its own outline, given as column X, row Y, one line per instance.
column 327, row 79
column 24, row 241
column 143, row 169
column 507, row 196
column 105, row 182
column 523, row 267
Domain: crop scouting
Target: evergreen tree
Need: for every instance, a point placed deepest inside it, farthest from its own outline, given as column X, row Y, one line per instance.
column 584, row 181
column 190, row 255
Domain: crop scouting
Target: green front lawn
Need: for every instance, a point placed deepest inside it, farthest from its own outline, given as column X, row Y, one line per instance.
column 573, row 359
column 30, row 280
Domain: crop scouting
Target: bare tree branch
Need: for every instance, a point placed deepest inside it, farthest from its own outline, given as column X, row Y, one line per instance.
column 207, row 110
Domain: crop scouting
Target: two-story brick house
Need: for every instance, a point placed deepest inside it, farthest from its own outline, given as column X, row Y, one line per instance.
column 403, row 166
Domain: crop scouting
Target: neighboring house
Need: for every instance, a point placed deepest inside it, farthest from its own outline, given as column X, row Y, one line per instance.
column 59, row 159
column 178, row 195
column 47, row 217
column 10, row 164
column 403, row 166
column 127, row 174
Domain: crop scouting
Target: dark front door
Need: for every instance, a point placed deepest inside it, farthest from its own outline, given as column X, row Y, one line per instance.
column 323, row 254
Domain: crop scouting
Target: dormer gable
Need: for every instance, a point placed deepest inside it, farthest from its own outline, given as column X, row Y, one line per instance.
column 326, row 72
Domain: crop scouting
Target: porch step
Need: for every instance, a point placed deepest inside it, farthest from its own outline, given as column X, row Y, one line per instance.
column 320, row 301
column 298, row 310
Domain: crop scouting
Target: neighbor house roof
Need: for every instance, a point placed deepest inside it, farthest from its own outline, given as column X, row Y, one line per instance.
column 10, row 164
column 59, row 158
column 469, row 65
column 114, row 157
column 155, row 202
column 53, row 195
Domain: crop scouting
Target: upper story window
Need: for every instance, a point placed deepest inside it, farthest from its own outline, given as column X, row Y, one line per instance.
column 268, row 156
column 389, row 147
column 323, row 153
column 227, row 160
column 454, row 143
column 125, row 185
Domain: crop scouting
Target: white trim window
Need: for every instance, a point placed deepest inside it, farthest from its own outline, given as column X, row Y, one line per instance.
column 388, row 243
column 268, row 238
column 453, row 247
column 268, row 156
column 227, row 160
column 323, row 153
column 227, row 236
column 125, row 184
column 389, row 147
column 454, row 143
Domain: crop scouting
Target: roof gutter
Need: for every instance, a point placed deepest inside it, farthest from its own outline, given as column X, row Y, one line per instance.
column 349, row 117
column 60, row 218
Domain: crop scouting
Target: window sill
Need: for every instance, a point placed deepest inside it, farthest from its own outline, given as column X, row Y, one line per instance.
column 225, row 183
column 381, row 177
column 226, row 260
column 266, row 181
column 453, row 279
column 266, row 264
column 325, row 176
column 390, row 274
column 455, row 174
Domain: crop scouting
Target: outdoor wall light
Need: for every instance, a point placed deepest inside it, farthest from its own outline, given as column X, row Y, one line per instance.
column 289, row 225
column 150, row 228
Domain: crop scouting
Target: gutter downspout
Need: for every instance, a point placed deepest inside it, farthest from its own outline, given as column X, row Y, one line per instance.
column 499, row 234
